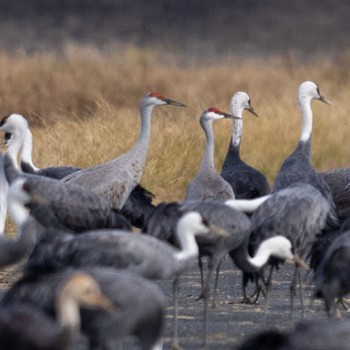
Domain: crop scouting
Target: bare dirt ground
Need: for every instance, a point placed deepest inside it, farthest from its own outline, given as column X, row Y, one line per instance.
column 230, row 322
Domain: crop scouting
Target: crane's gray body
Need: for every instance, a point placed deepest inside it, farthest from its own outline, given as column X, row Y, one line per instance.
column 297, row 212
column 339, row 182
column 141, row 254
column 246, row 182
column 208, row 184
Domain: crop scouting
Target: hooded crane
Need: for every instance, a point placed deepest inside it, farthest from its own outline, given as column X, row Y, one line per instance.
column 298, row 167
column 138, row 205
column 163, row 222
column 302, row 202
column 131, row 313
column 246, row 182
column 116, row 179
column 25, row 326
column 208, row 184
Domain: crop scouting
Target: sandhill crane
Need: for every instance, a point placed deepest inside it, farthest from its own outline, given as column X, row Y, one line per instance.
column 246, row 182
column 208, row 184
column 132, row 312
column 117, row 178
column 77, row 208
column 25, row 326
column 138, row 205
column 311, row 335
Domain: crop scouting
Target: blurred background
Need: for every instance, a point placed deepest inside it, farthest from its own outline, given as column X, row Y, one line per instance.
column 203, row 29
column 77, row 69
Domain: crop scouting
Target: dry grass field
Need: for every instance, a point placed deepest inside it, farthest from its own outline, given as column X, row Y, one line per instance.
column 83, row 109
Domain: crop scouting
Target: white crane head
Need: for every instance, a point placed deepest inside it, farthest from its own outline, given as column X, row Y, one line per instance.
column 7, row 139
column 214, row 113
column 157, row 99
column 194, row 222
column 308, row 91
column 84, row 290
column 241, row 101
column 14, row 124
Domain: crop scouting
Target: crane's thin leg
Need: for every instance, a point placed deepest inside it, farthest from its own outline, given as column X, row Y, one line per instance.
column 176, row 345
column 292, row 294
column 200, row 264
column 301, row 295
column 268, row 285
column 267, row 303
column 206, row 297
column 213, row 305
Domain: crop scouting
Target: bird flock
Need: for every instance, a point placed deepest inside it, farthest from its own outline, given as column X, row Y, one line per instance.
column 95, row 249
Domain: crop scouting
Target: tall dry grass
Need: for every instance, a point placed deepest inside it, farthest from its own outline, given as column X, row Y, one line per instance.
column 83, row 109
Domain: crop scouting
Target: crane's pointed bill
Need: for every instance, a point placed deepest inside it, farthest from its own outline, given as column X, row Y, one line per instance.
column 227, row 115
column 218, row 231
column 252, row 111
column 299, row 261
column 323, row 99
column 103, row 302
column 174, row 103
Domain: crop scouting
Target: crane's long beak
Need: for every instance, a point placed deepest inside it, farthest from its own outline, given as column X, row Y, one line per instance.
column 298, row 260
column 100, row 301
column 323, row 99
column 174, row 103
column 218, row 231
column 227, row 115
column 252, row 111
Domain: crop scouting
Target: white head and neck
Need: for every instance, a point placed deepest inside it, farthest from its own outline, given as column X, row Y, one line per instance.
column 307, row 92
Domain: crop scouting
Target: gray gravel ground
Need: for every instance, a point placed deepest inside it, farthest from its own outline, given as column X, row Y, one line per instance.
column 230, row 322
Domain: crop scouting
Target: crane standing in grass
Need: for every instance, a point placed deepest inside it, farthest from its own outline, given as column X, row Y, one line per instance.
column 246, row 182
column 116, row 179
column 208, row 184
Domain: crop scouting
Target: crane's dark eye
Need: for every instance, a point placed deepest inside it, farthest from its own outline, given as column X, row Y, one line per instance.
column 7, row 136
column 205, row 222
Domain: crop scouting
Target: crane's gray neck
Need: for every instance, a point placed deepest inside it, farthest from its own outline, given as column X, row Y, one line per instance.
column 141, row 146
column 208, row 157
column 306, row 114
column 27, row 148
